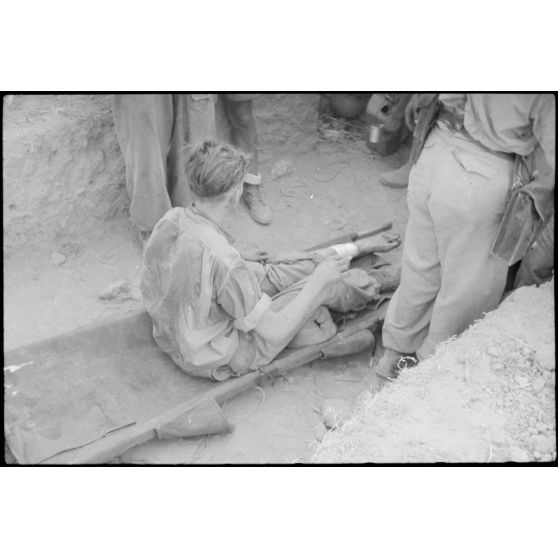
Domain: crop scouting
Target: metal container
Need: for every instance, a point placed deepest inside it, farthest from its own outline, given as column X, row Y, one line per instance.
column 377, row 134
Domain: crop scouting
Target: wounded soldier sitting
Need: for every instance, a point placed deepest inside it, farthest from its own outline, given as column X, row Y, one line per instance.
column 219, row 315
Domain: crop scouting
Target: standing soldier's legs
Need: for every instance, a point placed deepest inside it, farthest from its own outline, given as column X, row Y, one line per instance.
column 409, row 311
column 243, row 133
column 467, row 201
column 449, row 279
column 243, row 127
column 194, row 120
column 144, row 125
column 201, row 116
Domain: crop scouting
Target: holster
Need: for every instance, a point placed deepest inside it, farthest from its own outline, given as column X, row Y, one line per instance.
column 518, row 230
column 523, row 220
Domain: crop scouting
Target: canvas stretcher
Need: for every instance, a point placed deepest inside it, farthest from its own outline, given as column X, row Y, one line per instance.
column 90, row 395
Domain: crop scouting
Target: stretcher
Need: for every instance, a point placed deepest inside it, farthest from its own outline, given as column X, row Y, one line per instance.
column 90, row 395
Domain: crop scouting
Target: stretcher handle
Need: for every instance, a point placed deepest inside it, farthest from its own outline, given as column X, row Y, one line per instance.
column 352, row 237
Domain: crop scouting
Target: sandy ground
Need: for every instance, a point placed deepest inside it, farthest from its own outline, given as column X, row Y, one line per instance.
column 325, row 189
column 280, row 423
column 329, row 189
column 485, row 396
column 63, row 174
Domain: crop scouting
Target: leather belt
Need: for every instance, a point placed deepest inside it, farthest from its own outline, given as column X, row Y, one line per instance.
column 454, row 121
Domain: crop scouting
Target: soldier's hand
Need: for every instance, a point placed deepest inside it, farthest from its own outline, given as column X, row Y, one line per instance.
column 330, row 270
column 386, row 242
column 255, row 255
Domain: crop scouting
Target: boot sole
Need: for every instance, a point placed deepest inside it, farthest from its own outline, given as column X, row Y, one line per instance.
column 394, row 186
column 258, row 221
column 246, row 208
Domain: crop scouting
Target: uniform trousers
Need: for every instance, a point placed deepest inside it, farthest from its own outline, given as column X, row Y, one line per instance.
column 153, row 131
column 456, row 198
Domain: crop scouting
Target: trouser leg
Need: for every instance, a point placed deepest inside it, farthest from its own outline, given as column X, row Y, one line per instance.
column 201, row 117
column 243, row 130
column 176, row 158
column 467, row 201
column 409, row 311
column 290, row 268
column 352, row 293
column 284, row 279
column 144, row 125
column 242, row 125
column 194, row 120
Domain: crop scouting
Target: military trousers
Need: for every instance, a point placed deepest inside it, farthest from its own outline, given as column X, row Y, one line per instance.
column 153, row 131
column 456, row 199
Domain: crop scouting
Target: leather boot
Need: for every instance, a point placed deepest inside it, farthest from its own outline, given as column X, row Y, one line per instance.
column 398, row 178
column 387, row 366
column 388, row 277
column 257, row 208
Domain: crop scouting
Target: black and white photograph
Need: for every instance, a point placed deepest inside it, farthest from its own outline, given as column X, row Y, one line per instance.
column 278, row 279
column 255, row 278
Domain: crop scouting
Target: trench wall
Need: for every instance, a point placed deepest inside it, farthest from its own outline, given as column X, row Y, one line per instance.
column 63, row 173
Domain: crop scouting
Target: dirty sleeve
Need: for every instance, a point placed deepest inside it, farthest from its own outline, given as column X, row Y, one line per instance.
column 240, row 296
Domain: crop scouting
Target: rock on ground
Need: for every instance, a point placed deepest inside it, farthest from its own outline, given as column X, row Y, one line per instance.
column 485, row 396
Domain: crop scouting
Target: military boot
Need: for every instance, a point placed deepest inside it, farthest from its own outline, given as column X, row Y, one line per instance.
column 398, row 178
column 388, row 277
column 253, row 200
column 387, row 366
column 393, row 362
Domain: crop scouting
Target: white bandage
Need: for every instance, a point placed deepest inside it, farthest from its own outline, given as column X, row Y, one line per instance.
column 254, row 179
column 349, row 250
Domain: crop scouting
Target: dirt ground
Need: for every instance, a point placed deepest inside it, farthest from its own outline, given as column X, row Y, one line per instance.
column 62, row 247
column 318, row 190
column 486, row 396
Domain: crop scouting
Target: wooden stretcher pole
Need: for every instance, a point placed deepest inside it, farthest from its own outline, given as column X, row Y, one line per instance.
column 352, row 237
column 339, row 345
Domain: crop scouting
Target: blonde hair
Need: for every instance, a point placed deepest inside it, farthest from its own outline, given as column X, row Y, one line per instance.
column 214, row 167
